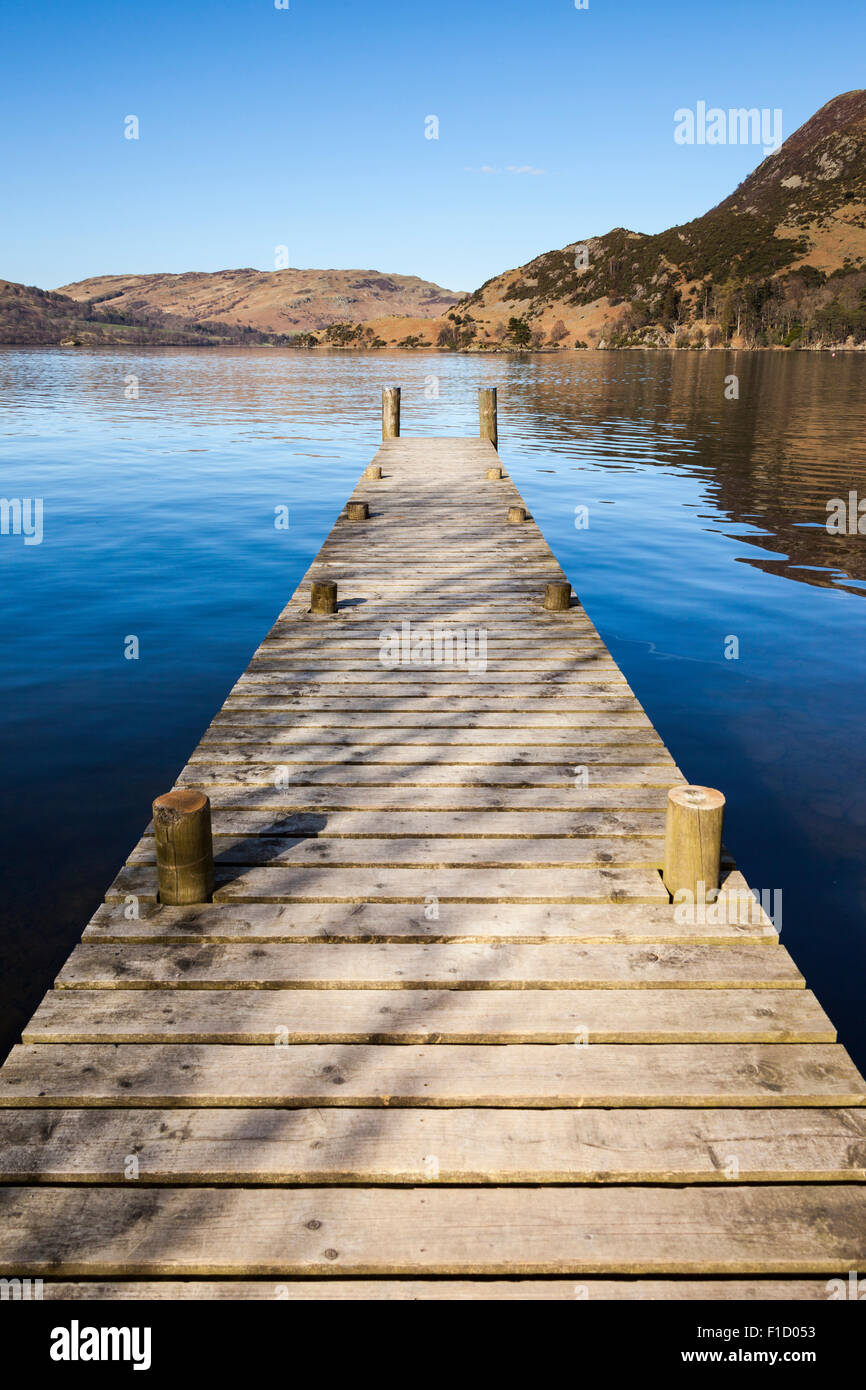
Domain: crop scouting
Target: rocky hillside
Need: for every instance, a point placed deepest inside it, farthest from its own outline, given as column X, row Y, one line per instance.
column 275, row 301
column 781, row 261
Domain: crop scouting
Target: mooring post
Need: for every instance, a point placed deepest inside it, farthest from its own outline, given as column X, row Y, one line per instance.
column 693, row 839
column 494, row 474
column 487, row 414
column 357, row 511
column 323, row 596
column 184, row 848
column 391, row 412
column 557, row 595
column 516, row 515
column 373, row 470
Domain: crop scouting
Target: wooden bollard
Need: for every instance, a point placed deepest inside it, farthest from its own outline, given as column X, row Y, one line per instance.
column 373, row 470
column 357, row 511
column 493, row 474
column 516, row 515
column 184, row 848
column 487, row 414
column 323, row 596
column 391, row 412
column 557, row 595
column 693, row 839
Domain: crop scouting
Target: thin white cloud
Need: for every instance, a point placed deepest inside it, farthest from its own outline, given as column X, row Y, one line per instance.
column 509, row 169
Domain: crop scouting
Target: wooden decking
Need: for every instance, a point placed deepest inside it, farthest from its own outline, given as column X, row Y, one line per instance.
column 440, row 1034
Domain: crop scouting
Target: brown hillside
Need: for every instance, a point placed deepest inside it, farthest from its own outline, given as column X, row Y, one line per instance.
column 780, row 261
column 275, row 301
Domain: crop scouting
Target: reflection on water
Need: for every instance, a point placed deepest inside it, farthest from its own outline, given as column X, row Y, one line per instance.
column 706, row 522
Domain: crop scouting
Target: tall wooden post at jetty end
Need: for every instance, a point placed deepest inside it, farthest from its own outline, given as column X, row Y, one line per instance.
column 391, row 412
column 488, row 415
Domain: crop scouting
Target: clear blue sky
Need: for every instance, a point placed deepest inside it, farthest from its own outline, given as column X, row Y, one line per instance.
column 305, row 127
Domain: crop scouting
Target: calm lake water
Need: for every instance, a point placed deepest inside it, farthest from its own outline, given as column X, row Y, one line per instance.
column 706, row 522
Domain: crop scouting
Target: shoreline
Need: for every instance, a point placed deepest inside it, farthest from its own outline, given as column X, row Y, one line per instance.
column 327, row 349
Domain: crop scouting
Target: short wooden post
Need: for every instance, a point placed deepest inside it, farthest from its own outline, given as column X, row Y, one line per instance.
column 391, row 412
column 323, row 596
column 557, row 595
column 184, row 848
column 693, row 839
column 493, row 474
column 487, row 414
column 516, row 515
column 373, row 470
column 357, row 511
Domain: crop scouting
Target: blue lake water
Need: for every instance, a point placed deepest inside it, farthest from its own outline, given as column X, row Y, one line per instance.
column 706, row 522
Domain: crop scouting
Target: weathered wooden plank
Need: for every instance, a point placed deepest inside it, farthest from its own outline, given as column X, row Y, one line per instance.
column 453, row 680
column 527, row 561
column 539, row 742
column 442, row 755
column 513, row 800
column 396, row 589
column 505, row 672
column 598, row 698
column 375, row 559
column 461, row 694
column 250, row 1016
column 407, row 617
column 107, row 1232
column 417, row 723
column 363, row 609
column 405, row 885
column 450, row 1290
column 596, row 924
column 592, row 672
column 449, row 825
column 445, row 967
column 291, row 636
column 513, row 579
column 418, row 1147
column 503, row 623
column 469, row 884
column 208, row 774
column 420, row 852
column 576, row 627
column 536, row 1076
column 495, row 664
column 364, row 651
column 524, row 552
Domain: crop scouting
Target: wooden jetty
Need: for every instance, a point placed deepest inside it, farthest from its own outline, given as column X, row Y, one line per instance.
column 441, row 1032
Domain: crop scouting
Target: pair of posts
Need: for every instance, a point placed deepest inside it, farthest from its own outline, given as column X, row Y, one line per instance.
column 487, row 414
column 185, row 863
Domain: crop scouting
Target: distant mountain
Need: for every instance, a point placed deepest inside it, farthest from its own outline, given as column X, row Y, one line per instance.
column 781, row 261
column 31, row 316
column 270, row 301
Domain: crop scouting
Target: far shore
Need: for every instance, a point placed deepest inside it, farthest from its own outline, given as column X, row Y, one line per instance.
column 493, row 350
